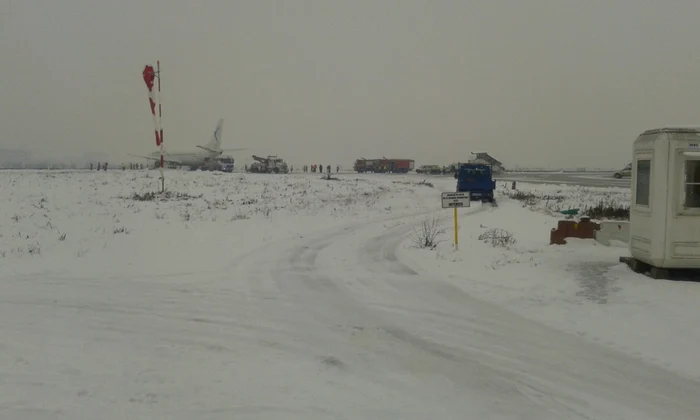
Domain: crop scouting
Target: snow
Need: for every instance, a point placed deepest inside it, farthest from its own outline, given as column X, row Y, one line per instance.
column 107, row 234
column 270, row 297
column 553, row 198
column 580, row 288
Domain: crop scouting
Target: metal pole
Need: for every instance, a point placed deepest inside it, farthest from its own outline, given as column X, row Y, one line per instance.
column 160, row 120
column 456, row 230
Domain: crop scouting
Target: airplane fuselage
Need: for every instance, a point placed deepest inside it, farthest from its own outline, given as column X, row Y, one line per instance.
column 197, row 158
column 187, row 158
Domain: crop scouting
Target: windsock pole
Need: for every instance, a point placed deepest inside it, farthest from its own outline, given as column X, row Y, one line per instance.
column 160, row 125
column 149, row 76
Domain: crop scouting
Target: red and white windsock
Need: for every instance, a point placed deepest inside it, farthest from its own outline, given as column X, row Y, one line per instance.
column 149, row 76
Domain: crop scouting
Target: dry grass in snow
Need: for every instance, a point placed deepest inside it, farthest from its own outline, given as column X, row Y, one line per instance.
column 114, row 221
column 598, row 203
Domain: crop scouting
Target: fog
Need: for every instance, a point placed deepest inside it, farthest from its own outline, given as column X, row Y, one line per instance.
column 535, row 83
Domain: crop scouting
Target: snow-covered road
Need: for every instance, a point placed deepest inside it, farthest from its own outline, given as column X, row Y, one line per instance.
column 327, row 323
column 388, row 342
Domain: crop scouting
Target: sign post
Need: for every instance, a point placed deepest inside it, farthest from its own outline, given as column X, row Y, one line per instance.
column 455, row 200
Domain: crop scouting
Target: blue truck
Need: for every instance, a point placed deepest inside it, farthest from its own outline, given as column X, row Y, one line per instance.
column 477, row 179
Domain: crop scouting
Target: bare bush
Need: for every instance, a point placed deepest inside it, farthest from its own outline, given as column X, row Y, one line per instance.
column 239, row 216
column 217, row 204
column 504, row 260
column 426, row 236
column 149, row 196
column 120, row 229
column 607, row 208
column 423, row 183
column 34, row 249
column 531, row 199
column 168, row 195
column 498, row 237
column 41, row 203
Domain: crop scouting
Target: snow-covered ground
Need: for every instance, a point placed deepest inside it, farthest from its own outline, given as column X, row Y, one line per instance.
column 258, row 296
column 553, row 198
column 580, row 287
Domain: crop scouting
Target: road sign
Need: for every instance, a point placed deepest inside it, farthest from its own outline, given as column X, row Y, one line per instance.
column 455, row 199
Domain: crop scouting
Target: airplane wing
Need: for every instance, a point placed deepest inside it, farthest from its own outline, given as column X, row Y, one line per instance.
column 209, row 150
column 219, row 150
column 166, row 160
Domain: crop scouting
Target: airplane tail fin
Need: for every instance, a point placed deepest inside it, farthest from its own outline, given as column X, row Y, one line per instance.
column 215, row 142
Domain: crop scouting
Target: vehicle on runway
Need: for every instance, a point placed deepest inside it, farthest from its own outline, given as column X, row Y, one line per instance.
column 269, row 165
column 219, row 163
column 624, row 172
column 477, row 179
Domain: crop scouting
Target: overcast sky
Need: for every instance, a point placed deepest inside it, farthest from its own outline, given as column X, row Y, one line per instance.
column 535, row 83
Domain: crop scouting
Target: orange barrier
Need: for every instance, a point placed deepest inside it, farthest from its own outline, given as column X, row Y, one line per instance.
column 584, row 229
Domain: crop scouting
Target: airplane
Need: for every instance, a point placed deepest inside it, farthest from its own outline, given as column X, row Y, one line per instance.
column 197, row 158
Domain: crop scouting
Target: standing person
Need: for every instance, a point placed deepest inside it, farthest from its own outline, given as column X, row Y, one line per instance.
column 328, row 169
column 99, row 166
column 91, row 166
column 337, row 169
column 320, row 168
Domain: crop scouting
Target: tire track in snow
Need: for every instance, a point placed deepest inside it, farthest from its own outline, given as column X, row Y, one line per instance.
column 349, row 297
column 337, row 315
column 379, row 255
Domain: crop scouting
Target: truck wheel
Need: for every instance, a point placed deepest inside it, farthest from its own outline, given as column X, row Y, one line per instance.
column 276, row 170
column 618, row 175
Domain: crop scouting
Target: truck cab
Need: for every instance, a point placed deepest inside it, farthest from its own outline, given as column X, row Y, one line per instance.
column 226, row 163
column 220, row 163
column 476, row 179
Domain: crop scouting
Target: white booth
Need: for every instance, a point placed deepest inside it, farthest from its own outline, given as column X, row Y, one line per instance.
column 665, row 206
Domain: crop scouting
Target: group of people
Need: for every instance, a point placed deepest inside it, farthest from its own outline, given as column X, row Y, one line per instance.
column 103, row 166
column 314, row 168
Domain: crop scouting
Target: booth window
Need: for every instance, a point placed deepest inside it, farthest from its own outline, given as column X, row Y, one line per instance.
column 643, row 182
column 692, row 184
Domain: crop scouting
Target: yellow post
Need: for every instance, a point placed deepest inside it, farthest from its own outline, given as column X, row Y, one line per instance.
column 456, row 230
